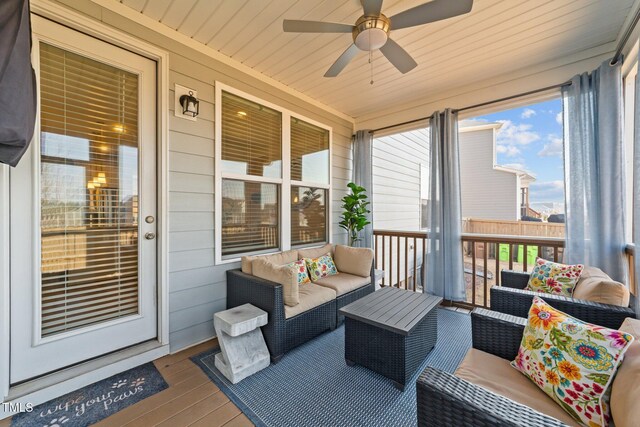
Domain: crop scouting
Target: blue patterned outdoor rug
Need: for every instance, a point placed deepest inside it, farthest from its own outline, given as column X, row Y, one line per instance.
column 95, row 402
column 313, row 386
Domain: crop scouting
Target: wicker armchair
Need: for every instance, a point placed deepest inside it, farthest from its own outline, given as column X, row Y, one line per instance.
column 511, row 298
column 446, row 400
column 282, row 334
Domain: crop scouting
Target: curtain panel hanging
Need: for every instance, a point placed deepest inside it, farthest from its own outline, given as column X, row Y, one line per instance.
column 17, row 81
column 363, row 176
column 444, row 272
column 594, row 171
column 636, row 192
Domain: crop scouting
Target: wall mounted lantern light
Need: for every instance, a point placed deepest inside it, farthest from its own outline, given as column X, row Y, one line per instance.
column 187, row 105
column 190, row 104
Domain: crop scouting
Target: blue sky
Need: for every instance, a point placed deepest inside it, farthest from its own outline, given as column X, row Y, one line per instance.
column 531, row 139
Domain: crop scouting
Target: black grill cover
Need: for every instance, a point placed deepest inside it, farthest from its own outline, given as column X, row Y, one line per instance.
column 17, row 81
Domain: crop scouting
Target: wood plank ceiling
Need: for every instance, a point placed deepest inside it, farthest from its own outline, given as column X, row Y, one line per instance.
column 497, row 37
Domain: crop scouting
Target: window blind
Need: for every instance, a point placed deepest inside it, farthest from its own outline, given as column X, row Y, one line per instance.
column 308, row 215
column 89, row 191
column 309, row 152
column 250, row 216
column 251, row 138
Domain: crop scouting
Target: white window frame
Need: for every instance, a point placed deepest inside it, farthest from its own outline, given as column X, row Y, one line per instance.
column 629, row 91
column 285, row 182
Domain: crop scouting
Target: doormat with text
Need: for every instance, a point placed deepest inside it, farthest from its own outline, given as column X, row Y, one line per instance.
column 96, row 401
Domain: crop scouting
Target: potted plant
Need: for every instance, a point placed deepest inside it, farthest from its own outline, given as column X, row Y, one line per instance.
column 354, row 215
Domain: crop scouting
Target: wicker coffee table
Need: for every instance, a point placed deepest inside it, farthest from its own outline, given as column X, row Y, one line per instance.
column 391, row 331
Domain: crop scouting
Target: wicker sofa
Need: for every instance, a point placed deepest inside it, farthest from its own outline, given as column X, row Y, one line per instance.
column 487, row 391
column 588, row 304
column 317, row 311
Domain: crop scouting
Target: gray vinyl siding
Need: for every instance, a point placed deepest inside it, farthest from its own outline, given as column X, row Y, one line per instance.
column 197, row 286
column 396, row 179
column 487, row 193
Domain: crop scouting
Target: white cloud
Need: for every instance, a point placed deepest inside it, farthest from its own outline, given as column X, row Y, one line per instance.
column 554, row 147
column 513, row 135
column 559, row 118
column 528, row 112
column 547, row 191
column 509, row 151
column 516, row 133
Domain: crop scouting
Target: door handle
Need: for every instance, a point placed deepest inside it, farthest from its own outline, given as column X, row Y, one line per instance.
column 150, row 235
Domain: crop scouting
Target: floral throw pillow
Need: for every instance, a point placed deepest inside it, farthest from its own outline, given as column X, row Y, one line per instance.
column 301, row 268
column 571, row 361
column 553, row 278
column 321, row 267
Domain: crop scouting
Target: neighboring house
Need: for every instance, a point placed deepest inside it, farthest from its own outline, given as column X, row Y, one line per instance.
column 400, row 172
column 400, row 166
column 490, row 191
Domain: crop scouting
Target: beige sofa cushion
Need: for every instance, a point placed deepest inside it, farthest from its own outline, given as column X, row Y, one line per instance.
column 497, row 375
column 246, row 264
column 343, row 283
column 356, row 261
column 626, row 385
column 315, row 252
column 280, row 258
column 286, row 276
column 311, row 296
column 595, row 285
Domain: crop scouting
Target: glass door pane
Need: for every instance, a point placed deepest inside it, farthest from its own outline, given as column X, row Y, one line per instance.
column 88, row 191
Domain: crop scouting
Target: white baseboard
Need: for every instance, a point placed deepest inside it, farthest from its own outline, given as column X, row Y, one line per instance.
column 55, row 385
column 178, row 350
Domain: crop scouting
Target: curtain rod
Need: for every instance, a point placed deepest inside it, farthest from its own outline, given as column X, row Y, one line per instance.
column 482, row 104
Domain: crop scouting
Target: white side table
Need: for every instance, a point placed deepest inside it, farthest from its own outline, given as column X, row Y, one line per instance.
column 244, row 351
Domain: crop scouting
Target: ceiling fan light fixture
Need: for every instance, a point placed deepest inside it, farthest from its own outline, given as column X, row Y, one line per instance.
column 371, row 33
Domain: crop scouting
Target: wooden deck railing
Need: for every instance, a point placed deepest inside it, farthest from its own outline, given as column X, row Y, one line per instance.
column 630, row 253
column 495, row 253
column 399, row 254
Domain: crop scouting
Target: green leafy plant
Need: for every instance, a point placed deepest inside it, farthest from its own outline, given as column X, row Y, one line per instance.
column 354, row 215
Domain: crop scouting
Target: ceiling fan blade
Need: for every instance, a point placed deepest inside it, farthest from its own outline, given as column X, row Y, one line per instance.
column 433, row 11
column 294, row 26
column 398, row 56
column 372, row 7
column 342, row 61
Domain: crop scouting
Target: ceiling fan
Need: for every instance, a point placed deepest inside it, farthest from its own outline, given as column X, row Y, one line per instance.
column 371, row 30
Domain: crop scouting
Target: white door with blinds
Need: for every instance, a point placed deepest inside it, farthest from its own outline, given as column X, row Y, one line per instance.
column 83, row 207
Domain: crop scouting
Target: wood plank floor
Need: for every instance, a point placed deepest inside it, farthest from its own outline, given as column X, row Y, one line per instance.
column 191, row 399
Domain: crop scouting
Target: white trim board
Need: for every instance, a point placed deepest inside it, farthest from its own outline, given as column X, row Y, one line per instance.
column 79, row 22
column 160, row 28
column 5, row 331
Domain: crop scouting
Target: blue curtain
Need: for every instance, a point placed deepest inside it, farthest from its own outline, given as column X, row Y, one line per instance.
column 363, row 176
column 636, row 191
column 594, row 171
column 444, row 267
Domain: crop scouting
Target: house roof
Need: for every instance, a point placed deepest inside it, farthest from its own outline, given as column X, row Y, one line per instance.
column 497, row 42
column 521, row 173
column 474, row 125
